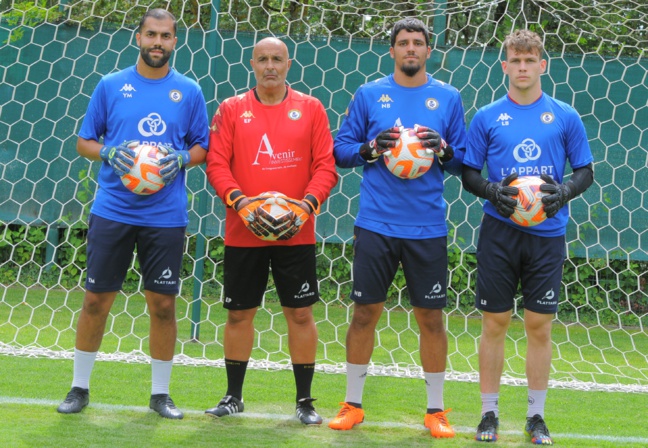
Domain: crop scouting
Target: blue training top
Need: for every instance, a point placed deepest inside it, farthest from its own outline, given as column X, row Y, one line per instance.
column 169, row 111
column 402, row 208
column 530, row 140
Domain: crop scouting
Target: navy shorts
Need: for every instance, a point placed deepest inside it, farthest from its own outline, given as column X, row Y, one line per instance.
column 247, row 271
column 110, row 252
column 508, row 257
column 376, row 260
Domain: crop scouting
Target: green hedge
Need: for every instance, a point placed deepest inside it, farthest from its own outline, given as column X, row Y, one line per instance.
column 599, row 291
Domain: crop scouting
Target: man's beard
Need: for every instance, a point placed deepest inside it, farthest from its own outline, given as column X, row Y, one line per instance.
column 410, row 69
column 155, row 63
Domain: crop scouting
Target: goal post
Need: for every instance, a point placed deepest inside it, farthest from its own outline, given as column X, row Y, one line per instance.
column 53, row 53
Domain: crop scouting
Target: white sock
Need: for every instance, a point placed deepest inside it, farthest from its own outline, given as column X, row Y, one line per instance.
column 160, row 376
column 434, row 386
column 490, row 402
column 83, row 365
column 537, row 400
column 356, row 376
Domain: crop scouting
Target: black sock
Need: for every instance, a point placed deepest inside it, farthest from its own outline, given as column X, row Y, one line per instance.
column 303, row 379
column 235, row 377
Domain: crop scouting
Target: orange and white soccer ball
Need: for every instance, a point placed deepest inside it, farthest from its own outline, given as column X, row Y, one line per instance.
column 408, row 160
column 529, row 210
column 144, row 177
column 275, row 204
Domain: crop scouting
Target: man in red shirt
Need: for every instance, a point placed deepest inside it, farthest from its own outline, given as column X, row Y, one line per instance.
column 271, row 138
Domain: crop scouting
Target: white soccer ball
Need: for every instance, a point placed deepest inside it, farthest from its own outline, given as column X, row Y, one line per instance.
column 144, row 177
column 275, row 204
column 408, row 160
column 529, row 210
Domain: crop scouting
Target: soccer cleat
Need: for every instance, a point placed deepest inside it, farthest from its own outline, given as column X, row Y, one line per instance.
column 227, row 406
column 75, row 401
column 537, row 430
column 163, row 405
column 438, row 425
column 347, row 417
column 306, row 412
column 487, row 429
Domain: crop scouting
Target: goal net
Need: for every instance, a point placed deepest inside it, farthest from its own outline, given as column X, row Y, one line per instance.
column 53, row 53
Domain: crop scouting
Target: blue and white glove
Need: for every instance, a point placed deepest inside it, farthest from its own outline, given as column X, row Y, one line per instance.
column 121, row 158
column 172, row 163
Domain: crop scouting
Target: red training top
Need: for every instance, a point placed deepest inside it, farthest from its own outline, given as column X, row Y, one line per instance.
column 256, row 148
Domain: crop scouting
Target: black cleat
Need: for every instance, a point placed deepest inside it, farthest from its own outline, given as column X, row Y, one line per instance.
column 163, row 405
column 76, row 400
column 306, row 412
column 227, row 406
column 487, row 429
column 536, row 429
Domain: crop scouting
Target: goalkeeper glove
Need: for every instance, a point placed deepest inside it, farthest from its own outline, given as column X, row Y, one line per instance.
column 268, row 227
column 121, row 158
column 499, row 194
column 557, row 195
column 172, row 163
column 433, row 143
column 383, row 142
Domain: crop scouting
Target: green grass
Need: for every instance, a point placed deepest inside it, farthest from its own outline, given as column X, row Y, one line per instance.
column 47, row 318
column 31, row 388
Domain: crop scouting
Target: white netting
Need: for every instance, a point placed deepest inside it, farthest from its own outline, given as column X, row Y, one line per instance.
column 52, row 56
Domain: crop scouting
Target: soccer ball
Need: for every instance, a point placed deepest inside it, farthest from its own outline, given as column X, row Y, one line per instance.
column 275, row 204
column 529, row 210
column 144, row 177
column 408, row 160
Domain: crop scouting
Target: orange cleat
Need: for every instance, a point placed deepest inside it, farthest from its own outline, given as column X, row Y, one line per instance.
column 438, row 425
column 347, row 418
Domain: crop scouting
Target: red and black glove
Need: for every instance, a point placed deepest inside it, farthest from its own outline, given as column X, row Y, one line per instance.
column 383, row 142
column 431, row 140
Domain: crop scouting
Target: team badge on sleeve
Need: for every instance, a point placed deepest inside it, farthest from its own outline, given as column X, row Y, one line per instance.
column 175, row 96
column 547, row 117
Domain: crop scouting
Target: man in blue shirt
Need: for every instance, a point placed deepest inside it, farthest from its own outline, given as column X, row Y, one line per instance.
column 401, row 221
column 525, row 133
column 152, row 104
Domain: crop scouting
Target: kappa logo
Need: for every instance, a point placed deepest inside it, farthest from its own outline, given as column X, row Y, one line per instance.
column 385, row 100
column 247, row 116
column 504, row 118
column 127, row 90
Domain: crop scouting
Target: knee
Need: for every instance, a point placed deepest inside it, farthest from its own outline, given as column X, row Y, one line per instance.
column 164, row 309
column 301, row 316
column 95, row 304
column 365, row 316
column 239, row 317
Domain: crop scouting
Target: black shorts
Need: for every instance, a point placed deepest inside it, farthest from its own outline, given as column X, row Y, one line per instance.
column 507, row 257
column 376, row 260
column 110, row 252
column 247, row 271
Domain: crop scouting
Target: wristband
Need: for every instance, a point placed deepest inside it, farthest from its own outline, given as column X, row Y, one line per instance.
column 233, row 198
column 312, row 203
